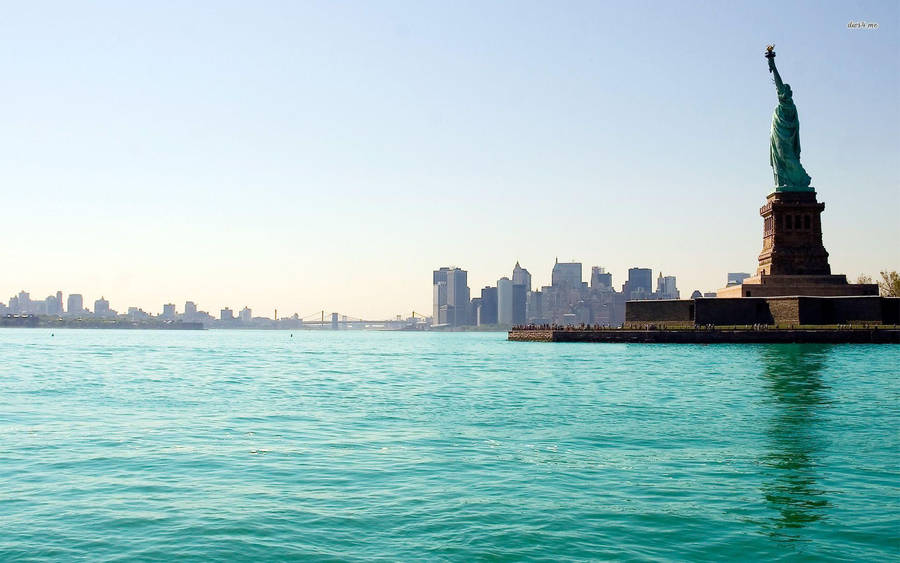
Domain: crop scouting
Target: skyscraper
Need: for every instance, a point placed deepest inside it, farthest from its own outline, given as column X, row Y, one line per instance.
column 24, row 302
column 458, row 296
column 534, row 306
column 566, row 274
column 599, row 278
column 246, row 315
column 439, row 295
column 168, row 311
column 75, row 304
column 665, row 287
column 101, row 308
column 488, row 312
column 639, row 284
column 521, row 276
column 519, row 296
column 52, row 305
column 505, row 301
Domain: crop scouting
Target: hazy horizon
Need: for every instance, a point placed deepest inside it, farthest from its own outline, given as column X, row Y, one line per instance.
column 330, row 156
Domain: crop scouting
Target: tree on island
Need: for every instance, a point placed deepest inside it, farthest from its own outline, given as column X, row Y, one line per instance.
column 889, row 283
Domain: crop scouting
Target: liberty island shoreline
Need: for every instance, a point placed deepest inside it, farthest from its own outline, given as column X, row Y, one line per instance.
column 861, row 334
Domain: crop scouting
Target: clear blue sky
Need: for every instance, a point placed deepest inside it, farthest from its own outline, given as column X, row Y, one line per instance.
column 308, row 155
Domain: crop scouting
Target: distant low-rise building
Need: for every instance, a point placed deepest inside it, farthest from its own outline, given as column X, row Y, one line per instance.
column 137, row 314
column 736, row 278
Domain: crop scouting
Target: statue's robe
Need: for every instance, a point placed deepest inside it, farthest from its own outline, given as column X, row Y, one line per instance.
column 784, row 153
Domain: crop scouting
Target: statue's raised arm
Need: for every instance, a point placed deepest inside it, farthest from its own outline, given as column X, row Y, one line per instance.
column 770, row 55
column 784, row 148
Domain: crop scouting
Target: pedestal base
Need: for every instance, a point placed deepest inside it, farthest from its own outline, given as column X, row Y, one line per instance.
column 782, row 286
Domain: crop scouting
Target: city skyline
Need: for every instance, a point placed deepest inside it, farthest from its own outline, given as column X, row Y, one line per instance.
column 567, row 300
column 314, row 156
column 113, row 305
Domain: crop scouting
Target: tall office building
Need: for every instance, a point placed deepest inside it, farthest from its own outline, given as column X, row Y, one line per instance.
column 450, row 297
column 488, row 312
column 246, row 315
column 639, row 284
column 52, row 305
column 23, row 301
column 505, row 301
column 534, row 307
column 475, row 311
column 519, row 297
column 439, row 299
column 665, row 287
column 168, row 311
column 458, row 296
column 439, row 293
column 59, row 299
column 101, row 308
column 566, row 274
column 75, row 304
column 510, row 302
column 520, row 276
column 190, row 310
column 226, row 314
column 600, row 279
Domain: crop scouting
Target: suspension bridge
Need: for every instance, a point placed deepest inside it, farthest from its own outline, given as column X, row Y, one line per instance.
column 337, row 321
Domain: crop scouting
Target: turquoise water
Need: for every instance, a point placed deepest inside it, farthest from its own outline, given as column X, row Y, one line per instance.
column 255, row 445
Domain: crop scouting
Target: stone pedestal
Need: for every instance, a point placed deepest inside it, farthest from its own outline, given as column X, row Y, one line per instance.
column 793, row 260
column 792, row 236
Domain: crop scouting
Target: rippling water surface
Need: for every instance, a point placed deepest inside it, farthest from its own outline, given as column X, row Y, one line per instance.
column 246, row 445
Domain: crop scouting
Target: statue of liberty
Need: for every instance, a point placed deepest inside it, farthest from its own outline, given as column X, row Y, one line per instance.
column 784, row 151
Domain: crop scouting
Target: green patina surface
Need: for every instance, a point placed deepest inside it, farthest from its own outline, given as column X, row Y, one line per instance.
column 784, row 147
